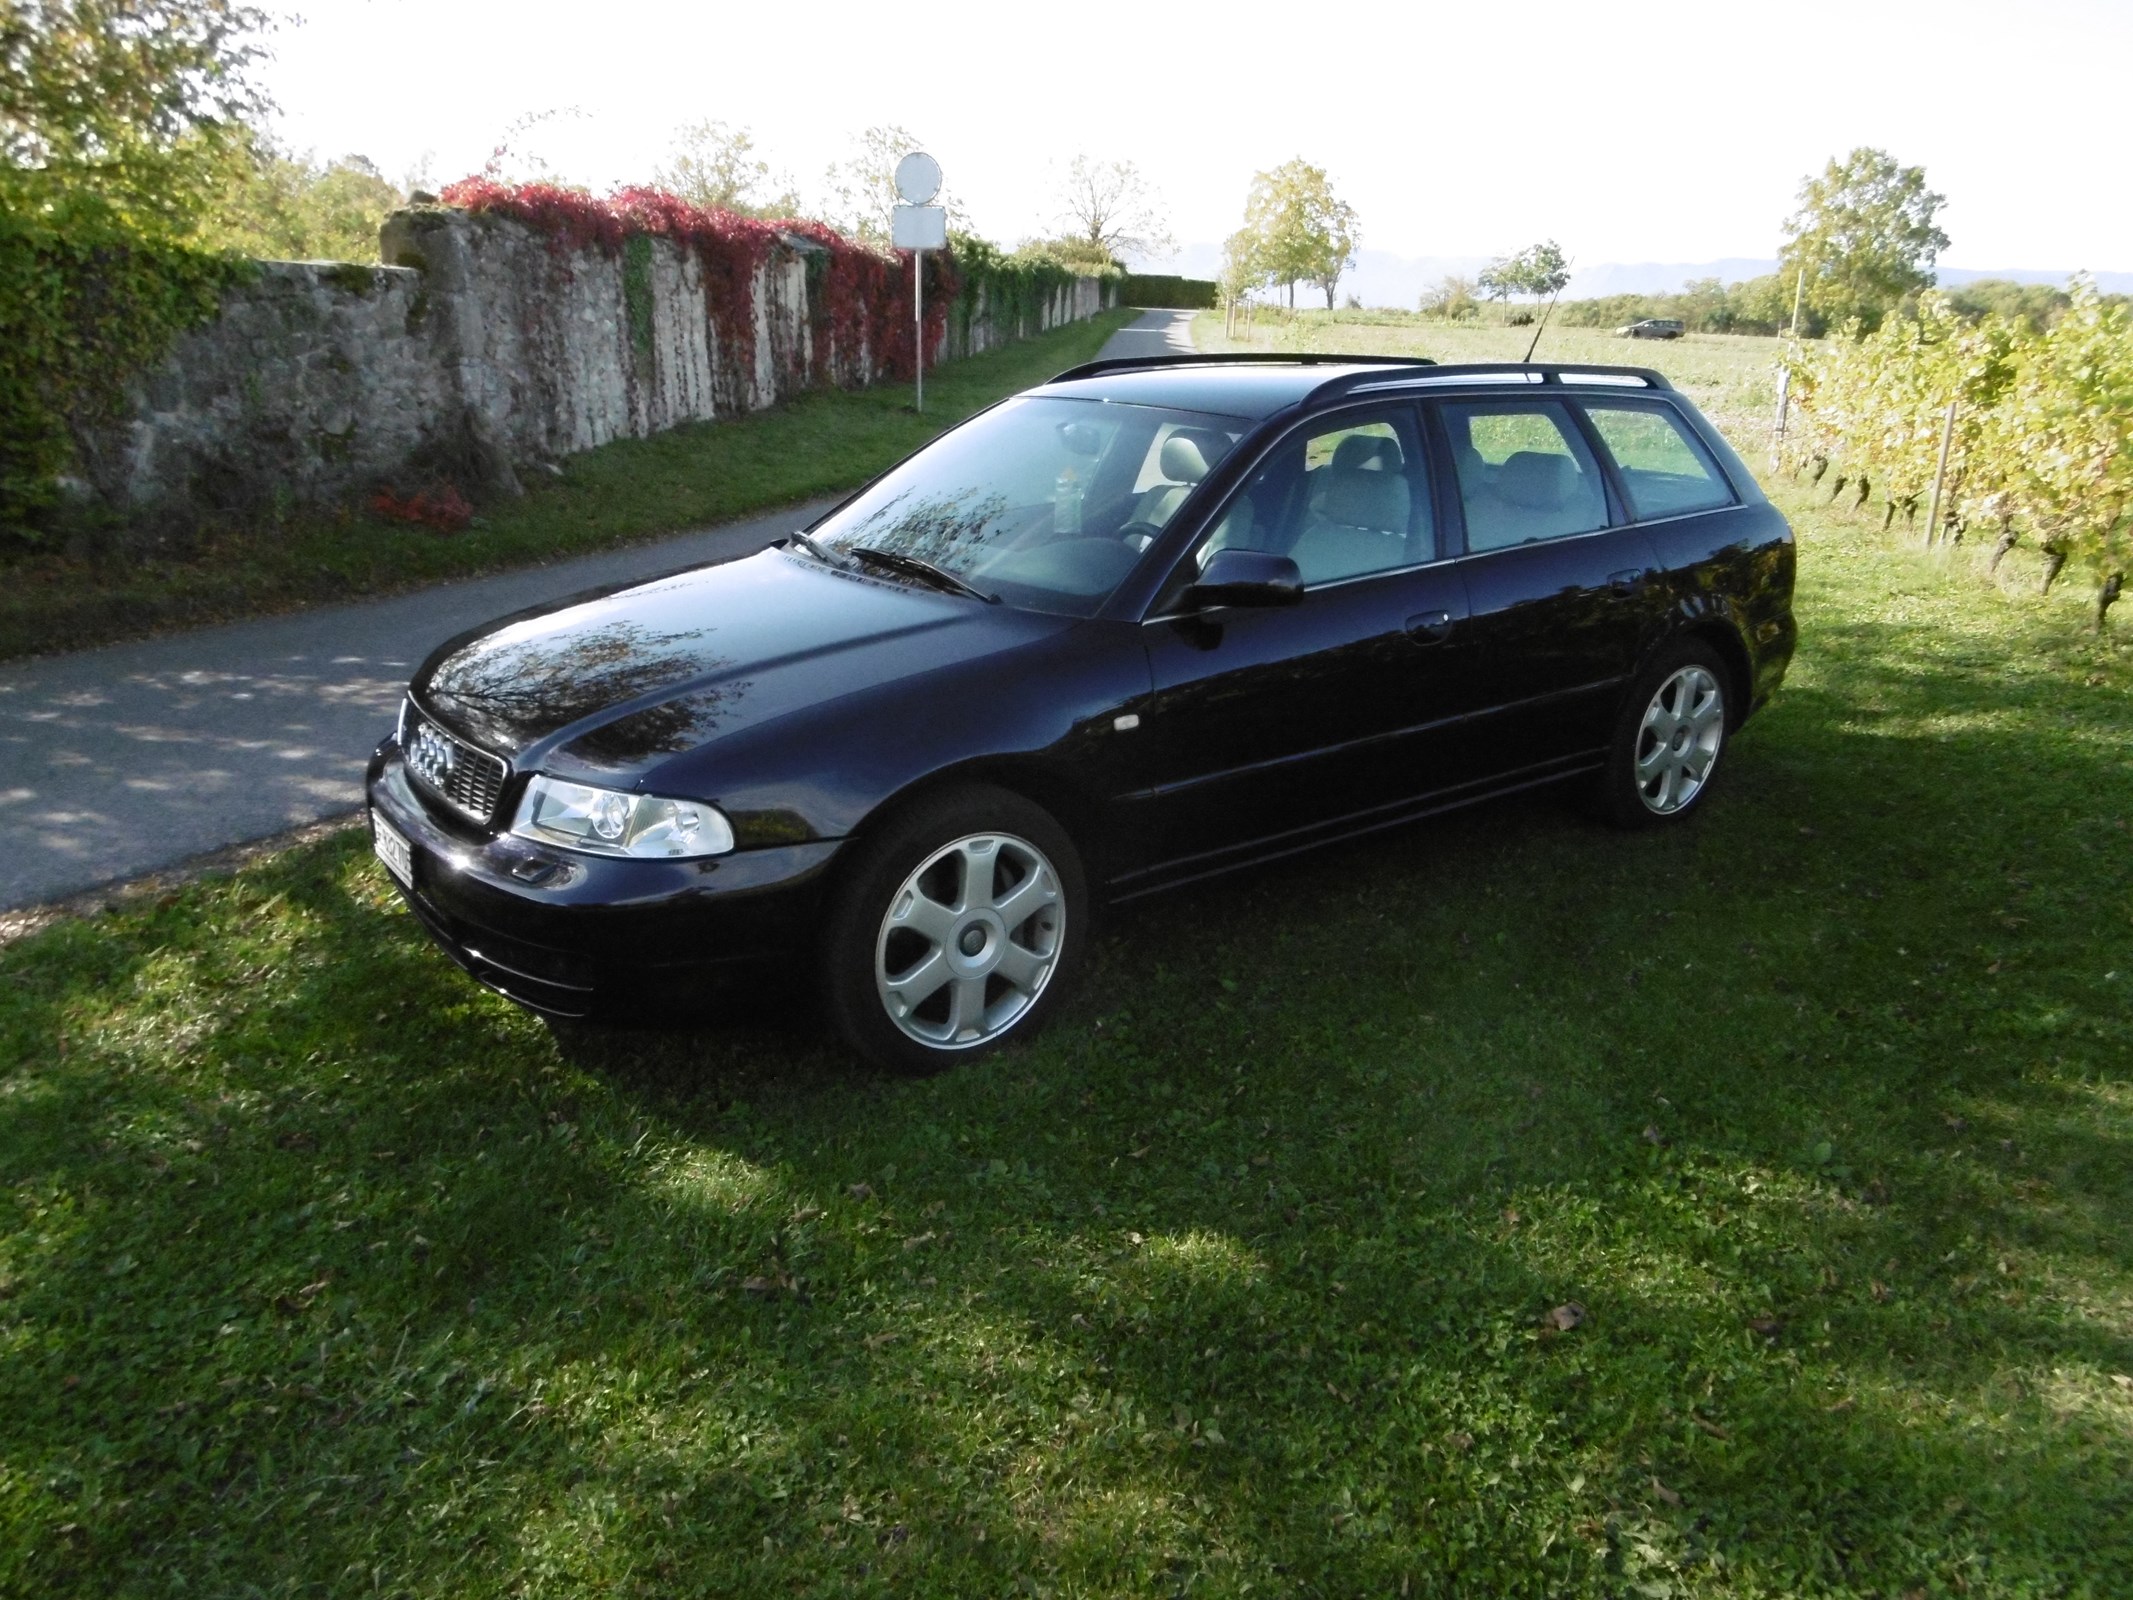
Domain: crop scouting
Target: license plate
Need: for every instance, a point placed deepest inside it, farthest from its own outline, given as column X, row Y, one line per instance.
column 393, row 849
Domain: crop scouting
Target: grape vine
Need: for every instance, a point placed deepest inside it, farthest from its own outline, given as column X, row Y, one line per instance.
column 2040, row 445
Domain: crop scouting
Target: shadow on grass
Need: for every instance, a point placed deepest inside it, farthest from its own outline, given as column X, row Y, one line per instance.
column 327, row 1271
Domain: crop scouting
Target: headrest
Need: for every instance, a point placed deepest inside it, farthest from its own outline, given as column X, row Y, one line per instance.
column 1191, row 453
column 1366, row 498
column 1370, row 451
column 1536, row 480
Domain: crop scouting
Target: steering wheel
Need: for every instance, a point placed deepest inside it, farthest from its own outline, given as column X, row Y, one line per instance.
column 1139, row 534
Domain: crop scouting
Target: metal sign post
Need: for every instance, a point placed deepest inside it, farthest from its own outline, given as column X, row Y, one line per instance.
column 918, row 226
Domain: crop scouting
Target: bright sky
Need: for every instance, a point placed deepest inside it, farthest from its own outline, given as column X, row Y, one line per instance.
column 1655, row 131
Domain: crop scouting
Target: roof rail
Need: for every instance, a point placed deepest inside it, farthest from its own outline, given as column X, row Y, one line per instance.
column 1090, row 369
column 1549, row 372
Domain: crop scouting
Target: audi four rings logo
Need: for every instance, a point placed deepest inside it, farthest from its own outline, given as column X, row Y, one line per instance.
column 433, row 751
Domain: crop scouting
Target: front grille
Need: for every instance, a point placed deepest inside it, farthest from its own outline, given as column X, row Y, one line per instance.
column 466, row 778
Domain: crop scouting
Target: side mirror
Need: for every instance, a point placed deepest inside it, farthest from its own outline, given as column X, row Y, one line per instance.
column 1234, row 577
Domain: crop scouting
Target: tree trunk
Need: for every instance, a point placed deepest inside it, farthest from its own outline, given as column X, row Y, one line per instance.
column 1866, row 488
column 2007, row 539
column 2054, row 560
column 2107, row 597
column 1837, row 488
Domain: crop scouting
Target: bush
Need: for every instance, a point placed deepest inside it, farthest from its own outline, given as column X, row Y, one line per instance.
column 85, row 301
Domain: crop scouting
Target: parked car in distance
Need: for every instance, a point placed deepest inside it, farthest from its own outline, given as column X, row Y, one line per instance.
column 1651, row 328
column 1145, row 623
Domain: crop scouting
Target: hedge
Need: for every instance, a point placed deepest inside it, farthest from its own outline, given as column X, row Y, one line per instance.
column 1165, row 292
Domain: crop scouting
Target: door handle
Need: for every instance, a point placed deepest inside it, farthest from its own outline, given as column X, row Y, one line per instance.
column 1630, row 580
column 1430, row 627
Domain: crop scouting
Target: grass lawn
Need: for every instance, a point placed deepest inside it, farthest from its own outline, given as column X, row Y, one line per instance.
column 630, row 490
column 1505, row 1206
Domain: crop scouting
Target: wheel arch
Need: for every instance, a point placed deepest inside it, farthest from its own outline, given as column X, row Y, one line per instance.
column 1724, row 638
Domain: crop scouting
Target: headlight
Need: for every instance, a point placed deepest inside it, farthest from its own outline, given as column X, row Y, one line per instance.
column 606, row 822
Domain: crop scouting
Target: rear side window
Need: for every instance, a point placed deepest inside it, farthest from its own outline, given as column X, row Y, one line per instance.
column 1665, row 471
column 1524, row 472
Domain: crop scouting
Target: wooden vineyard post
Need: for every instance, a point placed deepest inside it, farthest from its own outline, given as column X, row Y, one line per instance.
column 1940, row 474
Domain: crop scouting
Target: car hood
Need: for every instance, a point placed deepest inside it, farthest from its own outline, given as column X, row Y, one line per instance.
column 619, row 682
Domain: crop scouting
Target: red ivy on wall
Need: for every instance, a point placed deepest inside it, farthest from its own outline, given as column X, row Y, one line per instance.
column 859, row 300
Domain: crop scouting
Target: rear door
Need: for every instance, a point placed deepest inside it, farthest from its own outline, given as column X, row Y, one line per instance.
column 1561, row 591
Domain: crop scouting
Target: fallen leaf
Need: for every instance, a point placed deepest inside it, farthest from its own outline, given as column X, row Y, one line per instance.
column 1712, row 1428
column 1955, row 1124
column 861, row 1191
column 1460, row 1441
column 758, row 1286
column 875, row 1341
column 1652, row 1135
column 1566, row 1316
column 805, row 1214
column 2122, row 1380
column 1134, row 1238
column 1666, row 1494
column 1510, row 1217
column 918, row 1239
column 1768, row 1327
column 1879, row 1290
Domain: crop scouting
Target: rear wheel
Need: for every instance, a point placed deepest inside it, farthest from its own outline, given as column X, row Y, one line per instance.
column 958, row 930
column 1668, row 739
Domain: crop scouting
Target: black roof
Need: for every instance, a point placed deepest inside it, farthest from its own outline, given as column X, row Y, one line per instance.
column 1257, row 386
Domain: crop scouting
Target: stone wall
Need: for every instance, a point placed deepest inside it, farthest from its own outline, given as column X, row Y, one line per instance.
column 482, row 350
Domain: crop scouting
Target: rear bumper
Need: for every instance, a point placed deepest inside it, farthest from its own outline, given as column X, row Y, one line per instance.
column 574, row 935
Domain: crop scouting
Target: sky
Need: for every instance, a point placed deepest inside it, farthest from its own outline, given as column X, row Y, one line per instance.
column 1630, row 133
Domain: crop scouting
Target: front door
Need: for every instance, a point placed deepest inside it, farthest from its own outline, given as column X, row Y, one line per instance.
column 1274, row 726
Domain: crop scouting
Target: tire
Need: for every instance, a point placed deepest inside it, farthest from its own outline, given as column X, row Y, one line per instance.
column 959, row 929
column 1669, row 739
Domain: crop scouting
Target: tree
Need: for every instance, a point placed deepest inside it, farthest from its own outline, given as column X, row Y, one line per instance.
column 862, row 197
column 1299, row 230
column 1111, row 208
column 1452, row 298
column 1543, row 270
column 285, row 206
column 135, row 106
column 716, row 165
column 1499, row 280
column 1864, row 236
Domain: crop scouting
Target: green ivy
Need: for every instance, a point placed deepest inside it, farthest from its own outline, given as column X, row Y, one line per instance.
column 1014, row 288
column 84, row 304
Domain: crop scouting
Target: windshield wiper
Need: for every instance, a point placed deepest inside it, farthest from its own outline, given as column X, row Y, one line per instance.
column 819, row 552
column 914, row 567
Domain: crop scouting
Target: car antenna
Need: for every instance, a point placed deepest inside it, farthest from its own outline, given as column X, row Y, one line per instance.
column 1545, row 315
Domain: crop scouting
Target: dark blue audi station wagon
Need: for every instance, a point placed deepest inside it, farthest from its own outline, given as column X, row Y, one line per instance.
column 1151, row 621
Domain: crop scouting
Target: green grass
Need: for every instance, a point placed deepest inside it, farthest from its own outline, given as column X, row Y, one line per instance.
column 325, row 1272
column 624, row 492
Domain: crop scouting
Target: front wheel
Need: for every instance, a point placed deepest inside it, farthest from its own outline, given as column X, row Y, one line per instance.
column 958, row 930
column 1668, row 739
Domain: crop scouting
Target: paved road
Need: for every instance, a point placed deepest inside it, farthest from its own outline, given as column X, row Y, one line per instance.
column 125, row 760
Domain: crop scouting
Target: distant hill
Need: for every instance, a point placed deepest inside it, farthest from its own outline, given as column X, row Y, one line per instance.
column 1381, row 278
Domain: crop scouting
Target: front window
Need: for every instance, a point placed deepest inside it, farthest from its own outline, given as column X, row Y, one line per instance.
column 1044, row 502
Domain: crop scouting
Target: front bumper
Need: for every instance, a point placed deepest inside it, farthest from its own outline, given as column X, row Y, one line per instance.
column 577, row 935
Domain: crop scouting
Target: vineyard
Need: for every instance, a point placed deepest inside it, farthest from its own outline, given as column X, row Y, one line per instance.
column 2028, row 434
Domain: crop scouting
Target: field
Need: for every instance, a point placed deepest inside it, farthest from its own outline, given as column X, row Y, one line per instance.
column 1505, row 1206
column 1733, row 378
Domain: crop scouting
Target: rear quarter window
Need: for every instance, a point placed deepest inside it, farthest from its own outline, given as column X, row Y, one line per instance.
column 1666, row 472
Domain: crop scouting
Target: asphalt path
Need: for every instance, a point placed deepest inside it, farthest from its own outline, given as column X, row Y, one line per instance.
column 137, row 757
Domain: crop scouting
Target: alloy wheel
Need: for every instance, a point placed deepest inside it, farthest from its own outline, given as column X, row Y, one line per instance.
column 1679, row 740
column 969, row 941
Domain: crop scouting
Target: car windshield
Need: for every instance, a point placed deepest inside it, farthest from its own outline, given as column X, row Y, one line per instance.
column 1044, row 502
